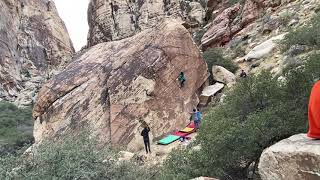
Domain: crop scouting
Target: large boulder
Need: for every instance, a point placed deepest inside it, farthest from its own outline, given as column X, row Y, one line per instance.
column 221, row 74
column 209, row 92
column 34, row 43
column 115, row 20
column 114, row 87
column 295, row 158
column 264, row 48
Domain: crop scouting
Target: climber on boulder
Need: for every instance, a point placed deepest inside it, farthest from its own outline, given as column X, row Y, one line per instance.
column 314, row 112
column 145, row 134
column 181, row 79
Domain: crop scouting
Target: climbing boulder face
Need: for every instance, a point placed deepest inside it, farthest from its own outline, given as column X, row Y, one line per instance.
column 34, row 43
column 221, row 74
column 294, row 158
column 113, row 88
column 115, row 20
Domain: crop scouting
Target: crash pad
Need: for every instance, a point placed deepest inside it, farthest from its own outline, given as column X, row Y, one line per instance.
column 191, row 125
column 181, row 134
column 169, row 139
column 187, row 130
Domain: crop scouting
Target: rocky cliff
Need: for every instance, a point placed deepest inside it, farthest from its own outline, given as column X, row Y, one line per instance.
column 295, row 158
column 34, row 43
column 114, row 87
column 114, row 20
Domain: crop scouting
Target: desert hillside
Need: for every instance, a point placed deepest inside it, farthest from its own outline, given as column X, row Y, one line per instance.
column 247, row 65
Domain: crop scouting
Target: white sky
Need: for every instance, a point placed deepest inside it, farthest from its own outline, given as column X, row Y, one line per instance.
column 74, row 15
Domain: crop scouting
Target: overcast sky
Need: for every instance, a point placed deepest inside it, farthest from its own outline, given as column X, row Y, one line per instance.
column 74, row 15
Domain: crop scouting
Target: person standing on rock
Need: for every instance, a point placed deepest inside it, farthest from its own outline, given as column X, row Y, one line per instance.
column 199, row 116
column 181, row 79
column 145, row 135
column 314, row 112
column 194, row 118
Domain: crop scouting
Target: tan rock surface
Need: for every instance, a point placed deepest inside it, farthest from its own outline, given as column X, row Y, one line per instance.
column 295, row 158
column 210, row 91
column 34, row 43
column 115, row 20
column 114, row 87
column 223, row 75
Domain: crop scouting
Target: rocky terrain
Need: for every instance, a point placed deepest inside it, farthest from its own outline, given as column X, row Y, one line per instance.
column 115, row 87
column 34, row 44
column 115, row 20
column 250, row 32
column 126, row 76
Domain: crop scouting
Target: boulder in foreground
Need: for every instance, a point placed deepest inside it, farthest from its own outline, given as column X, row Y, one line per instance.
column 295, row 158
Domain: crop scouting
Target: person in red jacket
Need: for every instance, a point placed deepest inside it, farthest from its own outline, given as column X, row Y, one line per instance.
column 314, row 112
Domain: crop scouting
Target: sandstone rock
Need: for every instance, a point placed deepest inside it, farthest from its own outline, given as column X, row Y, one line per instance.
column 221, row 74
column 227, row 22
column 116, row 20
column 209, row 92
column 33, row 43
column 219, row 31
column 295, row 158
column 264, row 48
column 114, row 87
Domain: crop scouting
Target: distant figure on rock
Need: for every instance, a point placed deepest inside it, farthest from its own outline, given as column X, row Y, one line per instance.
column 181, row 79
column 243, row 74
column 145, row 134
column 314, row 112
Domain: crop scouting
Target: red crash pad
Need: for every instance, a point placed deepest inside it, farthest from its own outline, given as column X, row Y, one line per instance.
column 181, row 134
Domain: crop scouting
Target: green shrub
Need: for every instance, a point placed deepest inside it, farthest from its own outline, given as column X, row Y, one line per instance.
column 308, row 35
column 70, row 158
column 216, row 57
column 258, row 112
column 286, row 17
column 15, row 127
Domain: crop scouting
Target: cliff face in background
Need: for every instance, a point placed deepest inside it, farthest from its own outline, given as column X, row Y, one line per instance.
column 114, row 87
column 114, row 20
column 34, row 44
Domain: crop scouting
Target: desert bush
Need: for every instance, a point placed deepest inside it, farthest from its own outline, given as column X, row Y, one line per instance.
column 308, row 35
column 217, row 57
column 73, row 157
column 15, row 127
column 260, row 111
column 286, row 17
